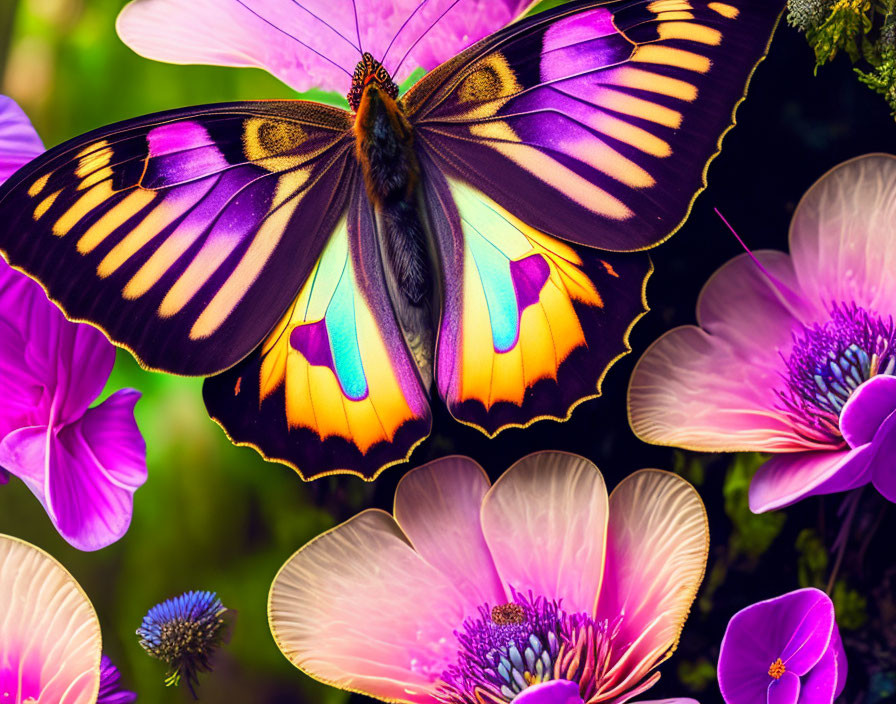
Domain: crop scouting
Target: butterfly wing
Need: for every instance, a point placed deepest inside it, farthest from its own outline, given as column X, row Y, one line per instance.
column 594, row 122
column 333, row 388
column 530, row 324
column 182, row 235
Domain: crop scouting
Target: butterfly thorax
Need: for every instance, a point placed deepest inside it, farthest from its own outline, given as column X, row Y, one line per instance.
column 384, row 146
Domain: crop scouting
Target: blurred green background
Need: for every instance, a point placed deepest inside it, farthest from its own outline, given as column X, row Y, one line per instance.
column 217, row 517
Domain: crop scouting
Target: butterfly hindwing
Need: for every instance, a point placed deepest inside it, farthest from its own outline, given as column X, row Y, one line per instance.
column 530, row 323
column 595, row 121
column 333, row 388
column 183, row 235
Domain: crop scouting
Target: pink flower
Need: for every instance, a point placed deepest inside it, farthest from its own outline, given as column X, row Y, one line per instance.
column 794, row 356
column 537, row 589
column 50, row 640
column 312, row 43
column 83, row 464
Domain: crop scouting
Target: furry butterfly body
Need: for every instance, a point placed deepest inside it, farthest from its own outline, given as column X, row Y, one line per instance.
column 479, row 238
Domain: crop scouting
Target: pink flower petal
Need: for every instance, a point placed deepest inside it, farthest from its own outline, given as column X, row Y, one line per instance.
column 19, row 142
column 359, row 609
column 658, row 541
column 691, row 390
column 545, row 522
column 437, row 506
column 756, row 311
column 789, row 477
column 867, row 408
column 310, row 43
column 712, row 389
column 85, row 475
column 841, row 238
column 675, row 700
column 50, row 635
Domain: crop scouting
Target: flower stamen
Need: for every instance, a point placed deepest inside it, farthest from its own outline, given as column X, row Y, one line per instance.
column 828, row 362
column 777, row 669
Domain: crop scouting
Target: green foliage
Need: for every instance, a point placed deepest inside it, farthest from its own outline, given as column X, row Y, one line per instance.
column 850, row 605
column 863, row 29
column 752, row 534
column 690, row 466
column 812, row 559
column 697, row 676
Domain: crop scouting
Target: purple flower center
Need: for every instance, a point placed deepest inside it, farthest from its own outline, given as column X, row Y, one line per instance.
column 510, row 647
column 829, row 361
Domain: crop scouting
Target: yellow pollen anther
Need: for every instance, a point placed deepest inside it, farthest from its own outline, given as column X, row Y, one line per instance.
column 777, row 669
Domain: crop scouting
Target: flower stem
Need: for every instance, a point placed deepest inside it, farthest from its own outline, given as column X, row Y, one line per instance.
column 850, row 505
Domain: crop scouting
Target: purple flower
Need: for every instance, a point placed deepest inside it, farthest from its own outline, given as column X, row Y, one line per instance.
column 110, row 685
column 783, row 651
column 795, row 355
column 83, row 464
column 19, row 143
column 312, row 43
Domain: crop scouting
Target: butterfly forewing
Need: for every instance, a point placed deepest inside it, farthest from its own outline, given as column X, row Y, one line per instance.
column 182, row 235
column 594, row 122
column 333, row 388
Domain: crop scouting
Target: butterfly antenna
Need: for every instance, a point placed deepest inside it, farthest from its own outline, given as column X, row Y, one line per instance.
column 438, row 19
column 401, row 29
column 296, row 39
column 357, row 27
column 779, row 285
column 331, row 27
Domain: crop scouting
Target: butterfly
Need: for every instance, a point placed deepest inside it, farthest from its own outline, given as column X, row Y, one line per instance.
column 479, row 238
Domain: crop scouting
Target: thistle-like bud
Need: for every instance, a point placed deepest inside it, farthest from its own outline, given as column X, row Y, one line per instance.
column 184, row 633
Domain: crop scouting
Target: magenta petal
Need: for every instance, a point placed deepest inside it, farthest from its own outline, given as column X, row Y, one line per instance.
column 85, row 474
column 20, row 389
column 840, row 659
column 23, row 453
column 787, row 478
column 808, row 615
column 883, row 469
column 83, row 362
column 96, row 465
column 19, row 143
column 867, row 408
column 819, row 685
column 58, row 367
column 674, row 700
column 785, row 690
column 553, row 692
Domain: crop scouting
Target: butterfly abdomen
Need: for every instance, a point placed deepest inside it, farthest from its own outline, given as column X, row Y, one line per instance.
column 384, row 146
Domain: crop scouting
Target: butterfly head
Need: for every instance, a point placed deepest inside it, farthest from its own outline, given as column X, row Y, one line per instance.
column 368, row 71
